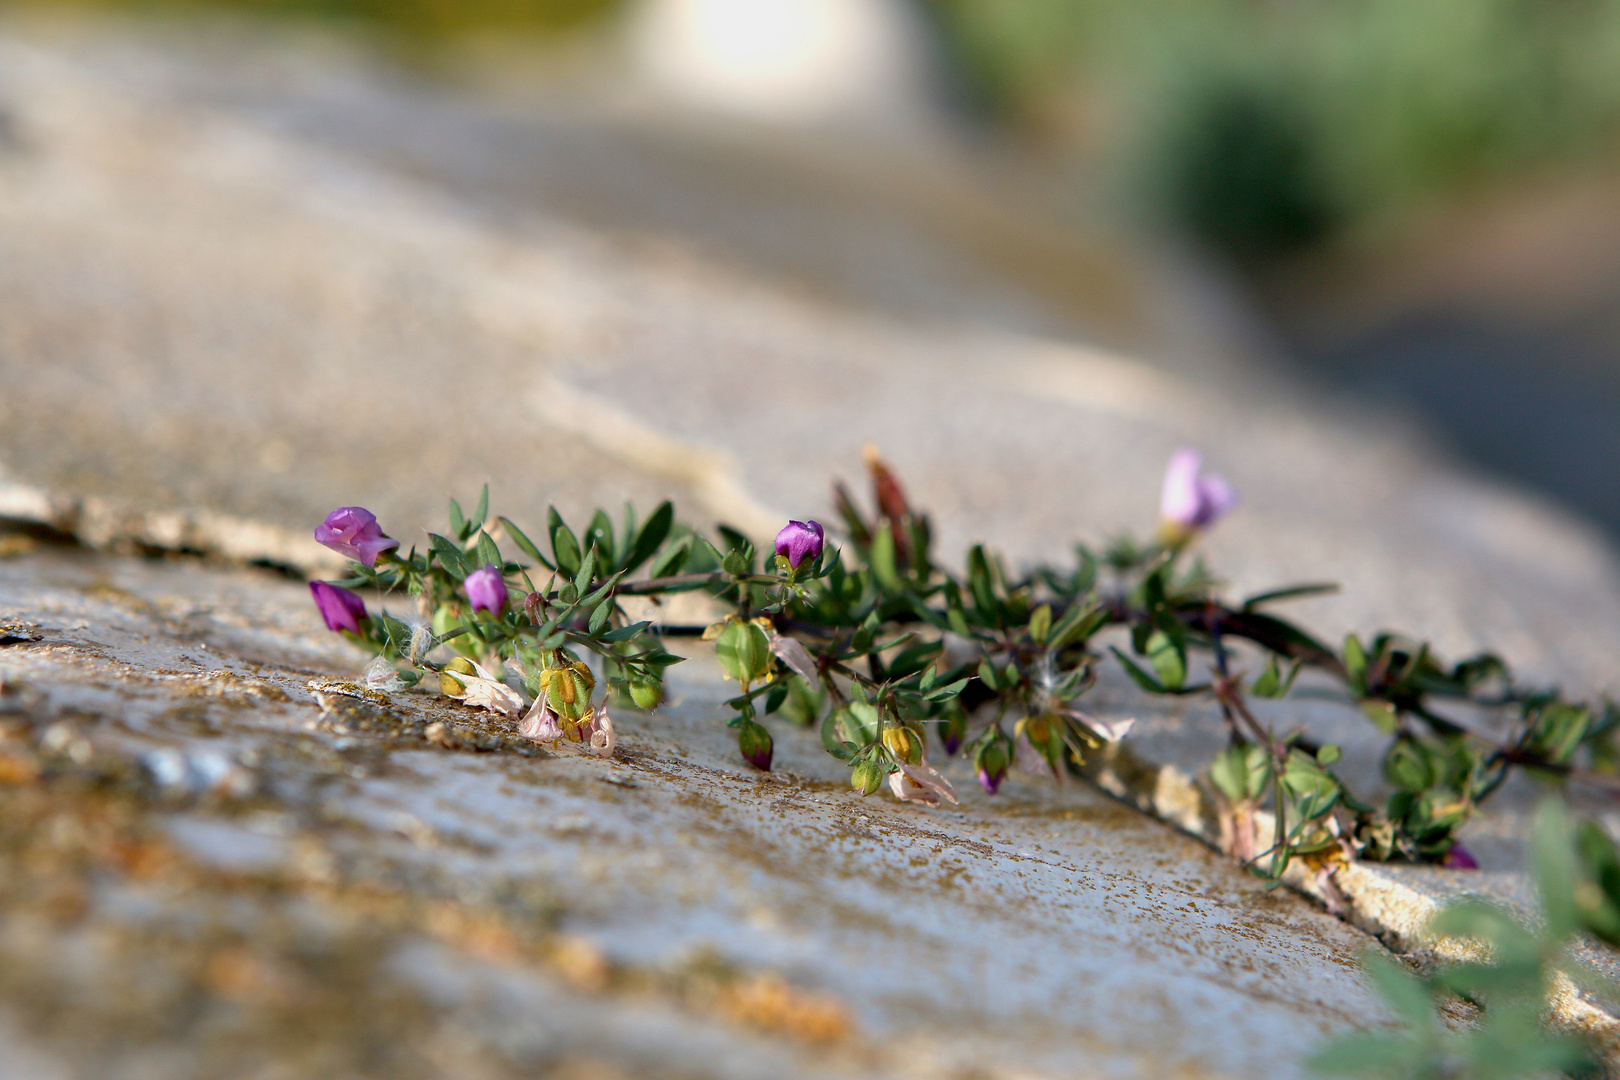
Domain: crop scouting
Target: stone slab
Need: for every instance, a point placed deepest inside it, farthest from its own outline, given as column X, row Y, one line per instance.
column 202, row 857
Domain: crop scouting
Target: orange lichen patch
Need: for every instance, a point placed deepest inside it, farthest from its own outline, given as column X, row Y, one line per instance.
column 18, row 769
column 768, row 1002
column 581, row 963
column 237, row 974
column 485, row 936
column 140, row 859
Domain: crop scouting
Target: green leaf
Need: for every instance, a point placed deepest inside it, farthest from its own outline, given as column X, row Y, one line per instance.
column 526, row 545
column 987, row 674
column 1410, row 766
column 599, row 534
column 624, row 633
column 1553, row 856
column 1241, row 772
column 1408, row 998
column 860, row 722
column 671, row 558
column 587, row 572
column 458, row 520
column 1077, row 624
column 1292, row 592
column 1141, row 678
column 946, row 692
column 488, row 553
column 1168, row 659
column 450, row 557
column 480, row 515
column 599, row 619
column 564, row 545
column 1382, row 714
column 652, row 534
column 1040, row 624
column 1355, row 662
column 882, row 558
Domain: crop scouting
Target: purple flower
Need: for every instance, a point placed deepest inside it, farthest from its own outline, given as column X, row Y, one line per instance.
column 1459, row 858
column 341, row 609
column 353, row 531
column 800, row 540
column 486, row 589
column 1191, row 502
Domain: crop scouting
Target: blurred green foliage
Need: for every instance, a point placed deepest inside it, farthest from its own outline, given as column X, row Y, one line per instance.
column 1269, row 126
column 417, row 21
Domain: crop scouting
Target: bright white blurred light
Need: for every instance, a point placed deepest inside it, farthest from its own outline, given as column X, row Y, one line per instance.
column 784, row 60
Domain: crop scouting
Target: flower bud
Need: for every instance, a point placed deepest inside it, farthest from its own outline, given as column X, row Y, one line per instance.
column 486, row 589
column 353, row 531
column 867, row 777
column 952, row 729
column 800, row 540
column 991, row 763
column 903, row 744
column 646, row 693
column 341, row 609
column 744, row 651
column 1190, row 502
column 755, row 744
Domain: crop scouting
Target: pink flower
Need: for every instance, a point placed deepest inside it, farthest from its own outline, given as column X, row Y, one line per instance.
column 341, row 609
column 486, row 589
column 800, row 540
column 1191, row 501
column 353, row 531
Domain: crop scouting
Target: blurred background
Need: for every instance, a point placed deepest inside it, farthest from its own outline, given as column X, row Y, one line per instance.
column 1412, row 204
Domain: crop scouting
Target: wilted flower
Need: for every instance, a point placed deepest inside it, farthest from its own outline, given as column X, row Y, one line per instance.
column 1190, row 501
column 792, row 653
column 470, row 682
column 540, row 723
column 800, row 540
column 353, row 531
column 486, row 589
column 1107, row 730
column 920, row 783
column 341, row 609
column 603, row 739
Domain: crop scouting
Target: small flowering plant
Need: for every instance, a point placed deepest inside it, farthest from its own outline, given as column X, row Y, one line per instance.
column 896, row 660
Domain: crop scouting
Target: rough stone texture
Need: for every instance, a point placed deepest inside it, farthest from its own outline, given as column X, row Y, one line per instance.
column 234, row 296
column 219, row 862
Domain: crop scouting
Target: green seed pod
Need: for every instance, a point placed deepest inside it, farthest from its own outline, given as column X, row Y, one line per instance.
column 568, row 690
column 867, row 777
column 646, row 694
column 448, row 684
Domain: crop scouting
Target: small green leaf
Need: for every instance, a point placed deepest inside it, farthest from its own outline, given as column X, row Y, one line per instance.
column 671, row 558
column 526, row 545
column 1040, row 624
column 564, row 545
column 1141, row 678
column 450, row 557
column 1292, row 592
column 488, row 553
column 882, row 557
column 652, row 534
column 599, row 619
column 599, row 534
column 458, row 520
column 1382, row 714
column 1168, row 659
column 480, row 515
column 987, row 675
column 1355, row 662
column 624, row 633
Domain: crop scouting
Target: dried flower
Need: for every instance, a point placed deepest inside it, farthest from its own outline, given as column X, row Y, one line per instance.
column 353, row 531
column 1191, row 502
column 341, row 609
column 1106, row 730
column 540, row 723
column 603, row 739
column 469, row 682
column 486, row 589
column 800, row 540
column 792, row 653
column 920, row 783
